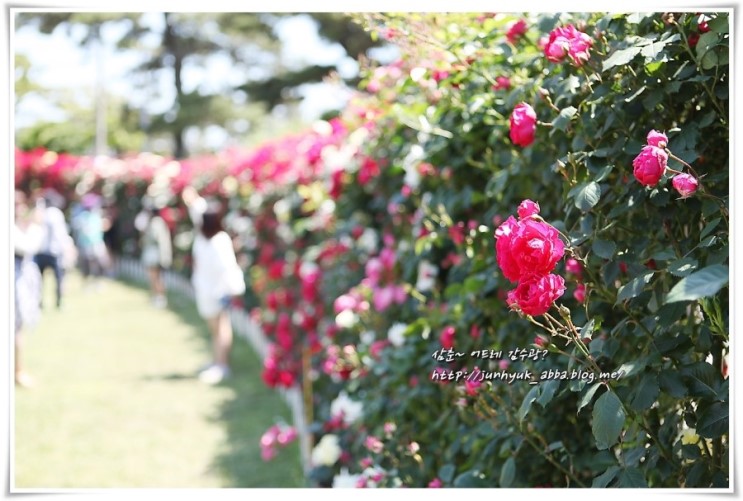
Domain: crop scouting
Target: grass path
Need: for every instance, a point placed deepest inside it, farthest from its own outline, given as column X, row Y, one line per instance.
column 116, row 402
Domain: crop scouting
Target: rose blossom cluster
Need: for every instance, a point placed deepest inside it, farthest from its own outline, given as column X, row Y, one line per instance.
column 276, row 436
column 527, row 250
column 652, row 161
column 568, row 41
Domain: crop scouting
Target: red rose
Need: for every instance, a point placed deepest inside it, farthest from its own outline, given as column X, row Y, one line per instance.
column 650, row 165
column 535, row 295
column 527, row 247
column 523, row 125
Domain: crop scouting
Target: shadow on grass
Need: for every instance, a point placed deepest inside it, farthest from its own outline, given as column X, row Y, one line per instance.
column 246, row 414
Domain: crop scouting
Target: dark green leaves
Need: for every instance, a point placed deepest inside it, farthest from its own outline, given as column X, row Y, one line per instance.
column 605, row 478
column 528, row 400
column 714, row 422
column 608, row 420
column 646, row 393
column 588, row 196
column 705, row 282
column 508, row 472
column 563, row 119
column 634, row 287
column 632, row 478
column 620, row 57
column 604, row 248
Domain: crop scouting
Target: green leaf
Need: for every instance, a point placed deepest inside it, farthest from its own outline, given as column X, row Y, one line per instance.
column 654, row 49
column 588, row 396
column 695, row 477
column 620, row 57
column 682, row 267
column 703, row 283
column 604, row 248
column 588, row 196
column 632, row 478
column 720, row 24
column 605, row 478
column 710, row 226
column 526, row 404
column 508, row 472
column 706, row 42
column 671, row 383
column 472, row 478
column 587, row 330
column 446, row 473
column 608, row 420
column 714, row 422
column 634, row 287
column 646, row 393
column 633, row 367
column 700, row 379
column 710, row 60
column 547, row 392
column 563, row 119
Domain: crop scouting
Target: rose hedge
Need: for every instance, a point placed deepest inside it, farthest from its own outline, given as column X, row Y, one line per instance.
column 546, row 195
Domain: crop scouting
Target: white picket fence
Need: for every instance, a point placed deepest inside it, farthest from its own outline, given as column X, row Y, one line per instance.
column 244, row 327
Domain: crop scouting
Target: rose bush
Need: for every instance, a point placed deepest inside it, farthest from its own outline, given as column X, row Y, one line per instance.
column 384, row 274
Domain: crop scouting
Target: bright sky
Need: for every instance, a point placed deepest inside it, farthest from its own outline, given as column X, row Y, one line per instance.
column 58, row 62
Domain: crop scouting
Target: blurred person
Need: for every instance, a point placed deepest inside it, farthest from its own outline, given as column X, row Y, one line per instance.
column 27, row 240
column 55, row 242
column 216, row 279
column 196, row 205
column 88, row 229
column 157, row 251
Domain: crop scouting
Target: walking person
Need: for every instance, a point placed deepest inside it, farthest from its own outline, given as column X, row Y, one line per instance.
column 157, row 253
column 216, row 279
column 88, row 227
column 55, row 241
column 27, row 239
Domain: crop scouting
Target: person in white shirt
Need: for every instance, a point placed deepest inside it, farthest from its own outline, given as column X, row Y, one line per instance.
column 55, row 241
column 216, row 279
column 157, row 252
column 27, row 239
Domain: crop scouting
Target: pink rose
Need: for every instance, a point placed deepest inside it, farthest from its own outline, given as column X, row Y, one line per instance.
column 471, row 387
column 447, row 337
column 527, row 247
column 568, row 41
column 435, row 483
column 515, row 30
column 657, row 139
column 573, row 266
column 502, row 83
column 523, row 125
column 580, row 293
column 527, row 208
column 535, row 295
column 685, row 184
column 650, row 165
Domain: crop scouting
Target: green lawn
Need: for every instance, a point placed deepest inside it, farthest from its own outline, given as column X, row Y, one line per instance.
column 116, row 402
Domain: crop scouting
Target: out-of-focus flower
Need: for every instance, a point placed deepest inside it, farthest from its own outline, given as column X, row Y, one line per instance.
column 327, row 451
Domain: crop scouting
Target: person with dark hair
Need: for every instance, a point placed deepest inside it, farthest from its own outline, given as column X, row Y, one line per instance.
column 216, row 279
column 27, row 239
column 88, row 228
column 157, row 253
column 55, row 241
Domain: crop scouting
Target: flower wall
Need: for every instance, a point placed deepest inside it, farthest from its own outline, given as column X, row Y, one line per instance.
column 504, row 265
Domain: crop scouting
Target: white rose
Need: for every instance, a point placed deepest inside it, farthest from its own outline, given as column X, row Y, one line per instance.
column 396, row 334
column 351, row 410
column 327, row 451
